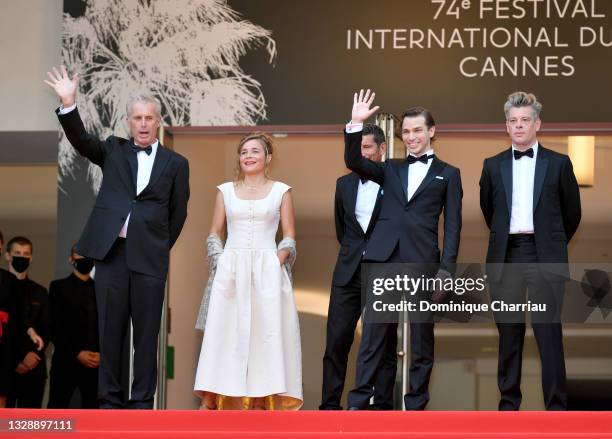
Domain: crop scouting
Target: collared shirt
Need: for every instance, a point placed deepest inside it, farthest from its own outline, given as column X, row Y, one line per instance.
column 366, row 193
column 523, row 175
column 145, row 166
column 366, row 199
column 416, row 173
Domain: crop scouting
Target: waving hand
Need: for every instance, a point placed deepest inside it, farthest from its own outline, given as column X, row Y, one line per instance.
column 361, row 106
column 65, row 88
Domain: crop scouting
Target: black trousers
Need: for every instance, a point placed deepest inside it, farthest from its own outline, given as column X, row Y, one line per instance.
column 26, row 391
column 516, row 281
column 67, row 375
column 122, row 294
column 377, row 339
column 342, row 316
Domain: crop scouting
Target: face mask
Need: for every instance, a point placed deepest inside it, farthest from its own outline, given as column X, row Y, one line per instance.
column 20, row 263
column 83, row 266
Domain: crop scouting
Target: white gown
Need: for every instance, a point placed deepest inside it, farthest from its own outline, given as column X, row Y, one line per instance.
column 251, row 345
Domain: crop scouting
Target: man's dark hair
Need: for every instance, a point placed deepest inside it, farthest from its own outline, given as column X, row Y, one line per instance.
column 420, row 111
column 1, row 238
column 19, row 240
column 376, row 131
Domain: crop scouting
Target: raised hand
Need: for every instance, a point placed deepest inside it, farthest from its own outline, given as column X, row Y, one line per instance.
column 64, row 87
column 361, row 106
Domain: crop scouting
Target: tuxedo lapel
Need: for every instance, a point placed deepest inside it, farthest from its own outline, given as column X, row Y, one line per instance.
column 434, row 169
column 506, row 174
column 375, row 211
column 162, row 157
column 540, row 173
column 128, row 166
column 402, row 172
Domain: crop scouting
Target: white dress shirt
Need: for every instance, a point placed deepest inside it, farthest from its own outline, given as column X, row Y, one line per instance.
column 523, row 175
column 354, row 127
column 366, row 198
column 416, row 173
column 366, row 193
column 143, row 175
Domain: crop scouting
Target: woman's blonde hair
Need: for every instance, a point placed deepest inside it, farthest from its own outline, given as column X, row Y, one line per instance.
column 266, row 143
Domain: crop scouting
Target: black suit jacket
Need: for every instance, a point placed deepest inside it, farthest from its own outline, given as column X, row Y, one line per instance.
column 556, row 207
column 37, row 315
column 74, row 317
column 411, row 224
column 157, row 214
column 350, row 235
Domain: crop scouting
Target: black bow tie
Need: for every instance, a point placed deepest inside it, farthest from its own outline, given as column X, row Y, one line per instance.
column 423, row 159
column 363, row 180
column 137, row 149
column 518, row 154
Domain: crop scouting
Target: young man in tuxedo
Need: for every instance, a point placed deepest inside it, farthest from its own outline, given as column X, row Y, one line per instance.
column 29, row 374
column 75, row 336
column 416, row 191
column 137, row 217
column 356, row 207
column 531, row 203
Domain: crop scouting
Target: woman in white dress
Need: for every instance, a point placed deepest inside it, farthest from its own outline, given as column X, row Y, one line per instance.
column 251, row 354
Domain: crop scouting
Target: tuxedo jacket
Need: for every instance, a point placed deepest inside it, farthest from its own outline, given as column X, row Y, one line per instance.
column 157, row 214
column 411, row 224
column 556, row 207
column 350, row 235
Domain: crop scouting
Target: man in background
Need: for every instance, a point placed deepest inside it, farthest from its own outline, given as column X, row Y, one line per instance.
column 30, row 374
column 356, row 207
column 75, row 336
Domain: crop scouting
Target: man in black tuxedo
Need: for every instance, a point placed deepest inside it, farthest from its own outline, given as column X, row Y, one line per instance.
column 74, row 334
column 416, row 191
column 137, row 217
column 356, row 207
column 531, row 203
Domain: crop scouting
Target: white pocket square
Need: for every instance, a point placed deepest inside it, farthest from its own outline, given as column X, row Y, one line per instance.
column 439, row 177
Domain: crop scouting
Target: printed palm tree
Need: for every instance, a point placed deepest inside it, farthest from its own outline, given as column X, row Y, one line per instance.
column 186, row 53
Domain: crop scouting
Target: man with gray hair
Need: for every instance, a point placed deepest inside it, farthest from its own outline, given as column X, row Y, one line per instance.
column 531, row 203
column 137, row 217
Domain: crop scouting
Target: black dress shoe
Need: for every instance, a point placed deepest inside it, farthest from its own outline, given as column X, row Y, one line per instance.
column 140, row 405
column 106, row 405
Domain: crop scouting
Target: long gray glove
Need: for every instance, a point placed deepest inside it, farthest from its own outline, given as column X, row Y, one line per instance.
column 214, row 249
column 289, row 245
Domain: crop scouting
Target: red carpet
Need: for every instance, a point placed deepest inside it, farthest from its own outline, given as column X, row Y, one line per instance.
column 312, row 424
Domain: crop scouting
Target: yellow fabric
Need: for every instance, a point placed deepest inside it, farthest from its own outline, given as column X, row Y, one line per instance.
column 213, row 401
